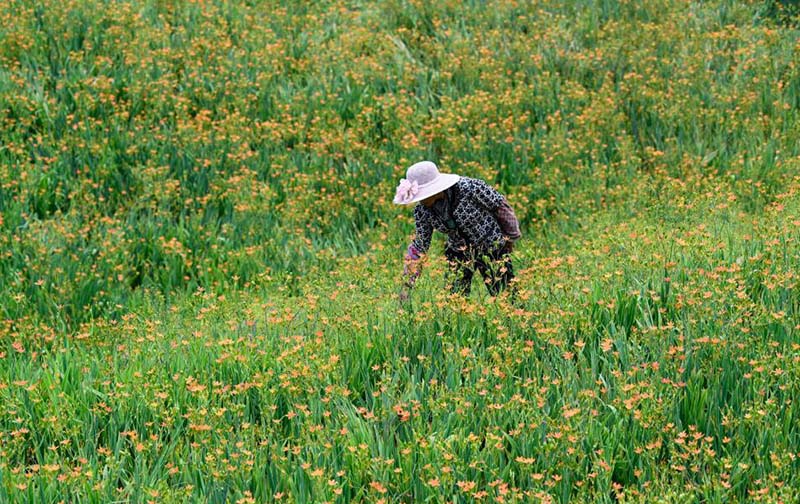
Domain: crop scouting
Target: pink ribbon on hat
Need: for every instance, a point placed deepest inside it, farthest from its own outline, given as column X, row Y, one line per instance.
column 406, row 191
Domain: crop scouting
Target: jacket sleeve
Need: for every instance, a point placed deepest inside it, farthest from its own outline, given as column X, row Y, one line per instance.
column 424, row 230
column 412, row 264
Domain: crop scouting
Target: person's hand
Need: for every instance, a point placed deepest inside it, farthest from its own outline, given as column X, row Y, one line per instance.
column 509, row 246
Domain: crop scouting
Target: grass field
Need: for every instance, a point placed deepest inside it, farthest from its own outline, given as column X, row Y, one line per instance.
column 200, row 262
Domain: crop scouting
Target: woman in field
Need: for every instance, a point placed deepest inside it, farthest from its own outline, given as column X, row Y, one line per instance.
column 481, row 227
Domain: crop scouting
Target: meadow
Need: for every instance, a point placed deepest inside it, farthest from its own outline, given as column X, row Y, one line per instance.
column 200, row 261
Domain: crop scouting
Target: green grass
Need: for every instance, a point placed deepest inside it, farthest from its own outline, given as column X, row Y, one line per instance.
column 200, row 261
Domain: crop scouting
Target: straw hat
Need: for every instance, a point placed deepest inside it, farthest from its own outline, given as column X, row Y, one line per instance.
column 422, row 181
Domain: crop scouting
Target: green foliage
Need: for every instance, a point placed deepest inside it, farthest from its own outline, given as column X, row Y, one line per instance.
column 199, row 258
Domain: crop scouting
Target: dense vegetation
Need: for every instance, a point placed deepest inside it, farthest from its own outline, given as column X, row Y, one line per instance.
column 199, row 258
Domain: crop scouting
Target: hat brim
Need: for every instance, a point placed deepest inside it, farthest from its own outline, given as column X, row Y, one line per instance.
column 442, row 182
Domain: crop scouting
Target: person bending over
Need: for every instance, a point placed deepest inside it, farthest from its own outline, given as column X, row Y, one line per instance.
column 480, row 225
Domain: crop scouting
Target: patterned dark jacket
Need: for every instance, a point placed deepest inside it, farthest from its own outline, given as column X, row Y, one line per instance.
column 473, row 222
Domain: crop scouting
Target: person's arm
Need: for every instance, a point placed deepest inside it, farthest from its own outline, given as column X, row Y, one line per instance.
column 412, row 264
